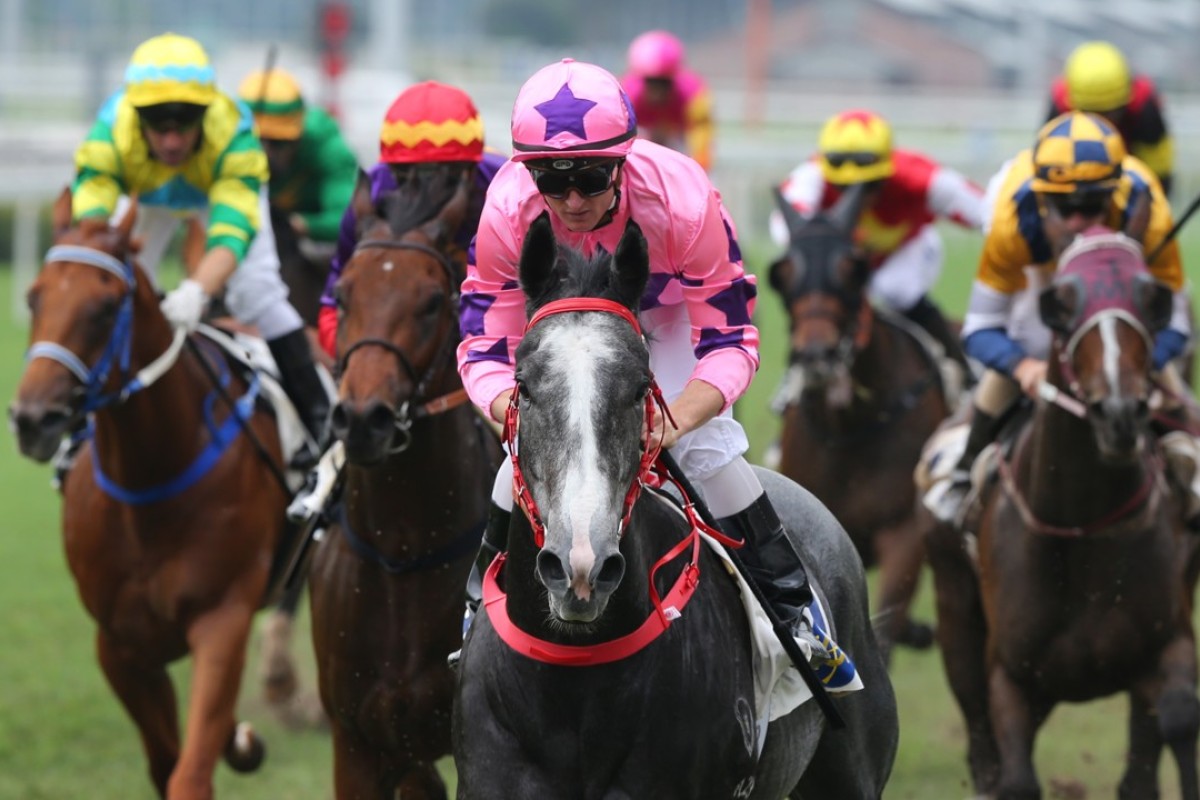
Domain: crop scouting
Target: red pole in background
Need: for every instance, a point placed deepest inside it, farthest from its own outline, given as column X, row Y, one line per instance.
column 335, row 18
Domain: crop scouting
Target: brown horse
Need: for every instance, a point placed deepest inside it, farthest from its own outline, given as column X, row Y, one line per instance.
column 865, row 395
column 387, row 584
column 170, row 518
column 1084, row 579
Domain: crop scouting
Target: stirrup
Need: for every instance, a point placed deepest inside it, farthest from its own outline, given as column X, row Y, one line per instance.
column 945, row 499
column 811, row 645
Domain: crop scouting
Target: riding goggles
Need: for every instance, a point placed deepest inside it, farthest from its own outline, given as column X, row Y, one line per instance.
column 1086, row 204
column 589, row 182
column 837, row 160
column 171, row 117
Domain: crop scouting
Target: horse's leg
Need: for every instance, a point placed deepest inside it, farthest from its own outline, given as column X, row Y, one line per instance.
column 1015, row 721
column 149, row 698
column 217, row 641
column 357, row 768
column 900, row 553
column 421, row 782
column 277, row 668
column 1163, row 708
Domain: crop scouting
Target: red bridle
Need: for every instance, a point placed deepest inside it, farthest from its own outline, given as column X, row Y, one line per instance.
column 654, row 398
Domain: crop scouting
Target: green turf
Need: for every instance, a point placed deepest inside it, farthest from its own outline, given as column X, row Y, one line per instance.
column 63, row 736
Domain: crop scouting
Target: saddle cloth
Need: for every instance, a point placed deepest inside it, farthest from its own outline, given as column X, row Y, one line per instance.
column 252, row 353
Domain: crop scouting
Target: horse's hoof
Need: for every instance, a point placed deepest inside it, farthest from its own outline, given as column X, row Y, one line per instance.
column 917, row 635
column 245, row 751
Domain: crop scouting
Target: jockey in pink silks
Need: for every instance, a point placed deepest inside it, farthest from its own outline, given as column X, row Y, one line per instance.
column 576, row 155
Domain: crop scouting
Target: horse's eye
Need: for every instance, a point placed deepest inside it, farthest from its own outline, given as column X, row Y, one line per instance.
column 33, row 299
column 522, row 389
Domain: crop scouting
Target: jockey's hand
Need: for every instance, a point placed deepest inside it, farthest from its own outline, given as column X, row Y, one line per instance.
column 499, row 409
column 661, row 428
column 184, row 305
column 1030, row 373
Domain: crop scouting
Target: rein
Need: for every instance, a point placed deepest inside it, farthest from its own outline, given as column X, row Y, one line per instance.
column 407, row 415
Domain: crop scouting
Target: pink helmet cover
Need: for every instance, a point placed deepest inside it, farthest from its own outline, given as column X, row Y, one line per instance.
column 572, row 107
column 655, row 54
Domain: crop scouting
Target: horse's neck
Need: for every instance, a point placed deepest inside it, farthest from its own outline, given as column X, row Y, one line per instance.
column 155, row 433
column 429, row 488
column 1062, row 475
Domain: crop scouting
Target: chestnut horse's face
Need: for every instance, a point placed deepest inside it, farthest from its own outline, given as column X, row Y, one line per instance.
column 398, row 305
column 74, row 308
column 822, row 280
column 1105, row 309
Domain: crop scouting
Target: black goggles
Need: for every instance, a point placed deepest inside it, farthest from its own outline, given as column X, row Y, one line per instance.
column 1089, row 204
column 837, row 160
column 589, row 182
column 168, row 117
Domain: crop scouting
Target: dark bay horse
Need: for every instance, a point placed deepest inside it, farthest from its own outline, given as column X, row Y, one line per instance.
column 580, row 681
column 1085, row 577
column 170, row 518
column 387, row 584
column 865, row 395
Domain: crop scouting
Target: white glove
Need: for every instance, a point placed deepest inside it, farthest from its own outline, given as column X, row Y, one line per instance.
column 184, row 305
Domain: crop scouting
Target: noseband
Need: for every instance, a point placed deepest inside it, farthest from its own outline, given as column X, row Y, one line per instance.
column 406, row 415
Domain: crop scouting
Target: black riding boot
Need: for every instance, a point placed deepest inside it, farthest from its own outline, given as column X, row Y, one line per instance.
column 303, row 385
column 495, row 542
column 771, row 559
column 930, row 318
column 983, row 431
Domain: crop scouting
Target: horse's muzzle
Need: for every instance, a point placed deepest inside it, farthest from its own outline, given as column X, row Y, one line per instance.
column 579, row 598
column 365, row 428
column 1119, row 424
column 39, row 428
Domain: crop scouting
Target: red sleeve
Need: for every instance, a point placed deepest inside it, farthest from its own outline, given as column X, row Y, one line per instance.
column 327, row 323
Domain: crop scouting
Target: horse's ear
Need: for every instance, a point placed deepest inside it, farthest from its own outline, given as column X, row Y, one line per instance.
column 1059, row 305
column 361, row 202
column 1154, row 301
column 538, row 256
column 790, row 215
column 846, row 210
column 450, row 218
column 61, row 214
column 631, row 265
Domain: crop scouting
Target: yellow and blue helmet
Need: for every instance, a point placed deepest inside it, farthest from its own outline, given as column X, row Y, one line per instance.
column 1077, row 152
column 169, row 69
column 856, row 147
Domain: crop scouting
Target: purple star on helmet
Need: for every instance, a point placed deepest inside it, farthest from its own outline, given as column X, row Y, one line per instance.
column 565, row 112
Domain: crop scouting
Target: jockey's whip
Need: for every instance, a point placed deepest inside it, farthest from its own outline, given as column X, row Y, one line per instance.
column 223, row 393
column 1187, row 214
column 782, row 632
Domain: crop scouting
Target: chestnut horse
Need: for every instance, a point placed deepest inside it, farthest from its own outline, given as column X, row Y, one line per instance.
column 170, row 518
column 1084, row 577
column 387, row 583
column 866, row 394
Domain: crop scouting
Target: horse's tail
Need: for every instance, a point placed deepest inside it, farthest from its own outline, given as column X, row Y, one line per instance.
column 245, row 750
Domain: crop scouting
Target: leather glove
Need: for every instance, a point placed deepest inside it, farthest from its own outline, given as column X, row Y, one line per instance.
column 184, row 305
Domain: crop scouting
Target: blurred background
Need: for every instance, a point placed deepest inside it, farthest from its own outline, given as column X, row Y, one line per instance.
column 964, row 80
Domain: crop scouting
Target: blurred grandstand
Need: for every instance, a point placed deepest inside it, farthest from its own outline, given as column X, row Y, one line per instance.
column 965, row 80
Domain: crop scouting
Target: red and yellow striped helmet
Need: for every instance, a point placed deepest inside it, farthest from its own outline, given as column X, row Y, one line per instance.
column 431, row 122
column 855, row 146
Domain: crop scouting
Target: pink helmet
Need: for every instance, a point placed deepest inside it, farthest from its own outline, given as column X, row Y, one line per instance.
column 655, row 54
column 574, row 110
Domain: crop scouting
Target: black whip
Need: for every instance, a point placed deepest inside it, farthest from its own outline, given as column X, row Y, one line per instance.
column 782, row 632
column 1191, row 209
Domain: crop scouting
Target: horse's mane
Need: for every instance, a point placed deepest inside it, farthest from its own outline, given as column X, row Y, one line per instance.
column 420, row 198
column 577, row 275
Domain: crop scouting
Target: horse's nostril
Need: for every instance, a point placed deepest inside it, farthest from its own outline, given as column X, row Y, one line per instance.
column 381, row 418
column 551, row 570
column 339, row 421
column 611, row 571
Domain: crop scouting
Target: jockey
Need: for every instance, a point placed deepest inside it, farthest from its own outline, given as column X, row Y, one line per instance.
column 672, row 104
column 1097, row 79
column 905, row 193
column 312, row 168
column 188, row 150
column 429, row 124
column 1077, row 175
column 576, row 156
